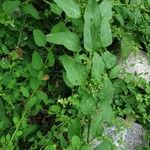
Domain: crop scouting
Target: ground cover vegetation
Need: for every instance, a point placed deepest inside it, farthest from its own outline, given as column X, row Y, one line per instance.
column 59, row 79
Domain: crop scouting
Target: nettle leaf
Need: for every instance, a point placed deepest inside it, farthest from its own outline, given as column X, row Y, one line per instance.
column 76, row 72
column 30, row 9
column 70, row 7
column 109, row 59
column 10, row 6
column 39, row 37
column 37, row 61
column 97, row 66
column 107, row 91
column 68, row 39
column 87, row 104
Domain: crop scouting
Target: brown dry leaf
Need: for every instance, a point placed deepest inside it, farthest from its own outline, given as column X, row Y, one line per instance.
column 19, row 52
column 45, row 77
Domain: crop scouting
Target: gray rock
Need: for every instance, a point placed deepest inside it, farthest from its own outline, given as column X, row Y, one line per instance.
column 126, row 138
column 137, row 63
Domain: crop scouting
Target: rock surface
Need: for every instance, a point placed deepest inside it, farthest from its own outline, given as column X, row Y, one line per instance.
column 137, row 64
column 126, row 138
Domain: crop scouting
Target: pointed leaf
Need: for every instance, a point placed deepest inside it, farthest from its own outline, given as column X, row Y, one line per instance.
column 76, row 72
column 37, row 61
column 87, row 104
column 39, row 37
column 70, row 7
column 109, row 59
column 97, row 66
column 30, row 9
column 68, row 39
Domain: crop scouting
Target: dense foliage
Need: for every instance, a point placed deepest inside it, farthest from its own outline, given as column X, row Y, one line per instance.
column 59, row 79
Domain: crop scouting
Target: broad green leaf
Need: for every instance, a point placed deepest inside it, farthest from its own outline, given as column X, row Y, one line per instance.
column 75, row 142
column 10, row 6
column 106, row 10
column 97, row 66
column 114, row 72
column 59, row 27
column 30, row 9
column 70, row 7
column 24, row 91
column 39, row 37
column 76, row 72
column 96, row 129
column 105, row 30
column 88, row 43
column 66, row 80
column 37, row 61
column 105, row 33
column 106, row 111
column 87, row 104
column 107, row 91
column 34, row 83
column 92, row 22
column 109, row 59
column 74, row 128
column 51, row 58
column 55, row 9
column 68, row 39
column 106, row 145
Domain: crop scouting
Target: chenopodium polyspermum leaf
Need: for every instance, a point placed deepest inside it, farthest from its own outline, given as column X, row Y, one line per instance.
column 76, row 72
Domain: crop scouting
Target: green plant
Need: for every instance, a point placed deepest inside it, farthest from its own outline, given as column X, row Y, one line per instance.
column 59, row 72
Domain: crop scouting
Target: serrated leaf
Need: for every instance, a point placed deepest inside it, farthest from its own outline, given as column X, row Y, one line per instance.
column 76, row 72
column 39, row 37
column 68, row 39
column 87, row 104
column 30, row 9
column 37, row 62
column 109, row 59
column 70, row 7
column 10, row 6
column 97, row 66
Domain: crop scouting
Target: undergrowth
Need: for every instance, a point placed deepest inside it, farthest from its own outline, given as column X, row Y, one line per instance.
column 59, row 79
